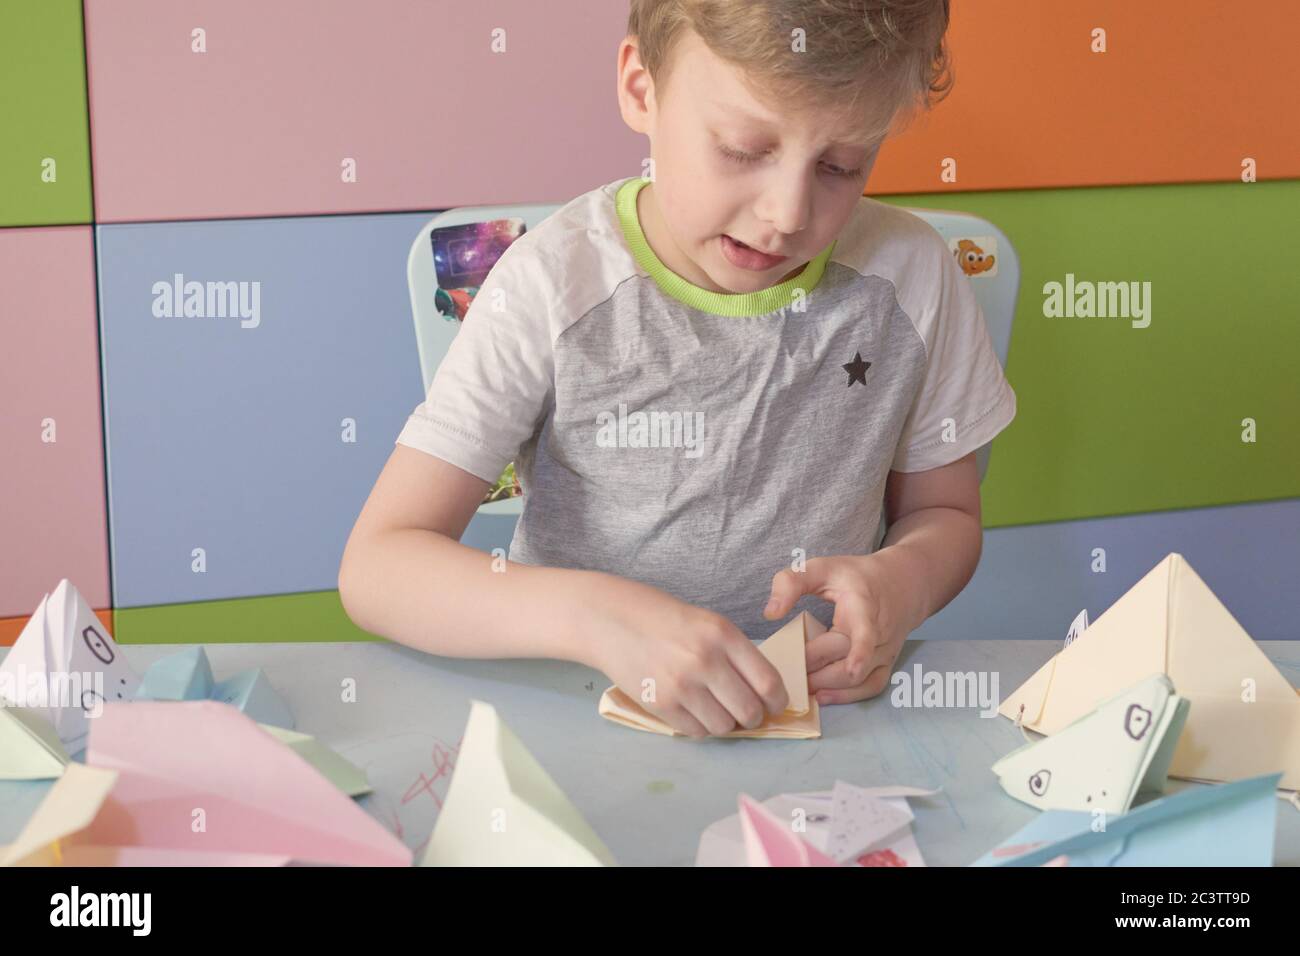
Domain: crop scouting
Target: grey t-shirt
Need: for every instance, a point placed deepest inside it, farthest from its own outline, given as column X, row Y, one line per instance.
column 701, row 442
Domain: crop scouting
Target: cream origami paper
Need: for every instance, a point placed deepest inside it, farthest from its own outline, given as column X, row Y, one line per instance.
column 29, row 747
column 503, row 809
column 65, row 647
column 1104, row 759
column 1245, row 715
column 785, row 649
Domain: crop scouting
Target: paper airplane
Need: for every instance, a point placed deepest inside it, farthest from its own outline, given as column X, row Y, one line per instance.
column 175, row 759
column 503, row 809
column 55, row 834
column 882, row 844
column 66, row 651
column 187, row 675
column 29, row 747
column 1245, row 716
column 770, row 841
column 785, row 650
column 1230, row 824
column 1104, row 759
column 335, row 768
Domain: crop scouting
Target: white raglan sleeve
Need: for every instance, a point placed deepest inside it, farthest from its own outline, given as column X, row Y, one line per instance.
column 964, row 399
column 491, row 390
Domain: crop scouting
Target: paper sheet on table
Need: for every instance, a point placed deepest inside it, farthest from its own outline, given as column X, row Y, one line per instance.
column 29, row 747
column 785, row 649
column 66, row 645
column 258, row 796
column 1104, row 759
column 1245, row 715
column 1231, row 824
column 187, row 675
column 722, row 842
column 55, row 834
column 503, row 809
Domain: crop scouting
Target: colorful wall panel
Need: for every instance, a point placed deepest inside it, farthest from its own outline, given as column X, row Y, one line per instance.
column 242, row 445
column 1184, row 92
column 1130, row 413
column 44, row 142
column 437, row 104
column 1032, row 580
column 52, row 516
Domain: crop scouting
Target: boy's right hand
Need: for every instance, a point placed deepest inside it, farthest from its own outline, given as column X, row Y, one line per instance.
column 708, row 677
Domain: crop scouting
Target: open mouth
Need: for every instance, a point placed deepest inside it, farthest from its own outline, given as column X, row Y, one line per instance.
column 747, row 257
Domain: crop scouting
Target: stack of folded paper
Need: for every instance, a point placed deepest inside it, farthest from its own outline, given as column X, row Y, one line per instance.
column 785, row 650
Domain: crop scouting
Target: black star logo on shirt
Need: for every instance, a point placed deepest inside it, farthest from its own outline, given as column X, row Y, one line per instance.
column 857, row 369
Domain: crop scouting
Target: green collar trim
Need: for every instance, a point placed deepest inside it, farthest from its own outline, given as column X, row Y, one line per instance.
column 736, row 305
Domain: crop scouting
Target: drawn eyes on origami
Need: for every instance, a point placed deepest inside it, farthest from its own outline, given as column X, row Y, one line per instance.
column 1137, row 721
column 1039, row 781
column 96, row 644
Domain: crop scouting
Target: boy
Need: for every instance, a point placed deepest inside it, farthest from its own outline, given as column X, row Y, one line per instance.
column 710, row 379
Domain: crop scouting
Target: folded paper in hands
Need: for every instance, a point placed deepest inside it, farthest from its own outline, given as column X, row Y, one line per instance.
column 785, row 650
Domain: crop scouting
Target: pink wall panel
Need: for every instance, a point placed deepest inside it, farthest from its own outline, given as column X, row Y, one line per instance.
column 52, row 515
column 260, row 124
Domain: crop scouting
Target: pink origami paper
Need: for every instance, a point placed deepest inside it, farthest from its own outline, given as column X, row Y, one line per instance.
column 769, row 840
column 175, row 759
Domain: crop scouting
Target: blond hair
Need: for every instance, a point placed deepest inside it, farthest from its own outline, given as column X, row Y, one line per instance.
column 889, row 52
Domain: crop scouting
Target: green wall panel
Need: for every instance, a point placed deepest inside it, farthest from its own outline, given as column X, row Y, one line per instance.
column 1114, row 419
column 43, row 113
column 314, row 616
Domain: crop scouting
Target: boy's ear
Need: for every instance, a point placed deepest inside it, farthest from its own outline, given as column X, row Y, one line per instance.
column 635, row 87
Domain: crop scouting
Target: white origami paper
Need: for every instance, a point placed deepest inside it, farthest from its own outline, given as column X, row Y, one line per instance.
column 1104, row 759
column 65, row 651
column 1245, row 718
column 503, row 809
column 868, row 829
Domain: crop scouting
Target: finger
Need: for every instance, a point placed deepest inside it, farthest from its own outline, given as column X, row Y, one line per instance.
column 873, row 685
column 759, row 674
column 734, row 693
column 836, row 673
column 853, row 617
column 704, row 707
column 826, row 648
column 680, row 720
column 789, row 585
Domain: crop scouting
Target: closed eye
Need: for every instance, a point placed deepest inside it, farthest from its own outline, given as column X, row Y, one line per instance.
column 747, row 158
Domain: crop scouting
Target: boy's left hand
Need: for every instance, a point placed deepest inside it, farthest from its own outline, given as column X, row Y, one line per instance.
column 874, row 613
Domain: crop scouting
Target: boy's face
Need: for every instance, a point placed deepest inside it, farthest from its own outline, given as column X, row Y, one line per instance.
column 728, row 169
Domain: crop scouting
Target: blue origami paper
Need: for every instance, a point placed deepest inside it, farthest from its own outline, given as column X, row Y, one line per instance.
column 186, row 675
column 1230, row 824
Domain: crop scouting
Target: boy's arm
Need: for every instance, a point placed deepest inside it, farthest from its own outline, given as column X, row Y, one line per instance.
column 935, row 532
column 406, row 576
